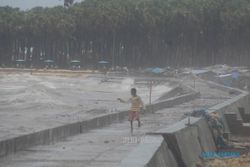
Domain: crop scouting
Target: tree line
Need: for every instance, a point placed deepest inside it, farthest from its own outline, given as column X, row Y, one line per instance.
column 133, row 33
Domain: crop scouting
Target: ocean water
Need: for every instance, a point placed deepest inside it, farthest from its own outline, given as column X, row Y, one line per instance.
column 40, row 93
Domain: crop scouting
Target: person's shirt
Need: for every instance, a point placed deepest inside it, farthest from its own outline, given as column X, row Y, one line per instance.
column 136, row 104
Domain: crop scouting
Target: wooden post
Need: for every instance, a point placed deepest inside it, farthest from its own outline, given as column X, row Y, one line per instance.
column 194, row 82
column 150, row 91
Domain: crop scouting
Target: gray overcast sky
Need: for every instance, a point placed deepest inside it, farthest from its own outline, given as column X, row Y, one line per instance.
column 28, row 4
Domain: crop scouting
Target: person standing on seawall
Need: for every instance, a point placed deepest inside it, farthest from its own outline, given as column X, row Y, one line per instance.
column 136, row 106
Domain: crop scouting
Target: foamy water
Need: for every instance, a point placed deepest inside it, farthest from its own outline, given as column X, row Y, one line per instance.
column 126, row 84
column 25, row 91
column 48, row 85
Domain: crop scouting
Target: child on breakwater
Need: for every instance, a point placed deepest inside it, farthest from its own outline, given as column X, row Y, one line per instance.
column 136, row 106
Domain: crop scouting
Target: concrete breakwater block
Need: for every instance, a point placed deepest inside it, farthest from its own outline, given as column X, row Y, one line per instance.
column 152, row 152
column 236, row 125
column 187, row 142
column 244, row 114
column 185, row 146
column 205, row 136
column 231, row 106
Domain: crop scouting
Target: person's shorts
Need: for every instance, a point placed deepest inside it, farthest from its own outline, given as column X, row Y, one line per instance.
column 133, row 115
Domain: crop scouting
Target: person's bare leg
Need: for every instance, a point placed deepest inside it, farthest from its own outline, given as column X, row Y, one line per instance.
column 139, row 123
column 131, row 126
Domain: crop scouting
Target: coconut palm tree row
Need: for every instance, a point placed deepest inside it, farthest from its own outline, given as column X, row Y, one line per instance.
column 134, row 33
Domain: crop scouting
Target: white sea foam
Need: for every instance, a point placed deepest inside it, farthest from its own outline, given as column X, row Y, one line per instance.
column 48, row 85
column 126, row 84
column 25, row 91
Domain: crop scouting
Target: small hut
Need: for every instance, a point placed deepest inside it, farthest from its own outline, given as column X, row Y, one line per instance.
column 20, row 63
column 75, row 65
column 49, row 63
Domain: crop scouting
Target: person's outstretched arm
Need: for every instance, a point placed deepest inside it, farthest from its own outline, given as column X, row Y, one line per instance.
column 124, row 101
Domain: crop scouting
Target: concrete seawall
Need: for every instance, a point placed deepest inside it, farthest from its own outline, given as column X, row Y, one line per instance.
column 153, row 151
column 172, row 101
column 55, row 134
column 183, row 142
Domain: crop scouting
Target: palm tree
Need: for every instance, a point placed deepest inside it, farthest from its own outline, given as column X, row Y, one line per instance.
column 129, row 32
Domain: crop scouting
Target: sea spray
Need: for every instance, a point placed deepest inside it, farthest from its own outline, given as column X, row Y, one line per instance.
column 127, row 84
